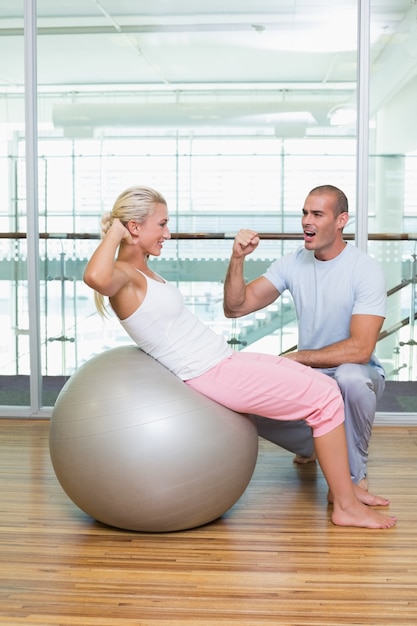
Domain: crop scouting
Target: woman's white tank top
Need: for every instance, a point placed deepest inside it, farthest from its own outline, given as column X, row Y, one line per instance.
column 167, row 330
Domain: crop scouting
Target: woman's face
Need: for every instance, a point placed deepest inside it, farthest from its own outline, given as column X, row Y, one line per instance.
column 154, row 231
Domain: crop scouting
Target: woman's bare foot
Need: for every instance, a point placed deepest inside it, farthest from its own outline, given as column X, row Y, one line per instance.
column 359, row 515
column 363, row 496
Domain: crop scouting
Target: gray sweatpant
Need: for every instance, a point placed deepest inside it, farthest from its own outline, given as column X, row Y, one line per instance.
column 361, row 387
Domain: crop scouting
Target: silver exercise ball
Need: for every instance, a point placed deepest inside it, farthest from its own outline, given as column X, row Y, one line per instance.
column 134, row 447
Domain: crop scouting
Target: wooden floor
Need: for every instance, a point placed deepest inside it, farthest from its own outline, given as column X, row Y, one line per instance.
column 273, row 559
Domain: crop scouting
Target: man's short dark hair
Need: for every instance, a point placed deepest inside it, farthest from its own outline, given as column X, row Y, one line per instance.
column 341, row 201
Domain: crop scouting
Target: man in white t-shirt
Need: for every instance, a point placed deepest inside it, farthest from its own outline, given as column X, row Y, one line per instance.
column 339, row 295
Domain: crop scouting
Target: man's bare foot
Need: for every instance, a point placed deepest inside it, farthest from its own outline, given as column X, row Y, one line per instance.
column 364, row 484
column 368, row 498
column 301, row 460
column 359, row 515
column 363, row 496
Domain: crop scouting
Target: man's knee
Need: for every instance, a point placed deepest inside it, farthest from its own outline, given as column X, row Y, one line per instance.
column 354, row 380
column 360, row 386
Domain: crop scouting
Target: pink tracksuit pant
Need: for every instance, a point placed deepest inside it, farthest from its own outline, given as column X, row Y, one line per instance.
column 275, row 387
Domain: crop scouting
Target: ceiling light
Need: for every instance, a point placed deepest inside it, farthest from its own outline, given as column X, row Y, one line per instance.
column 342, row 115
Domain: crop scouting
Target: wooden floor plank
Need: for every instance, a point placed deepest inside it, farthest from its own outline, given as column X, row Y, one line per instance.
column 274, row 558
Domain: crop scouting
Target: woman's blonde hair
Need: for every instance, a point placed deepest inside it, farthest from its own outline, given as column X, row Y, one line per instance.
column 134, row 203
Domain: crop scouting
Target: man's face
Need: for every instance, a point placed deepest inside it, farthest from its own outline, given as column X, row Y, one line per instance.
column 322, row 229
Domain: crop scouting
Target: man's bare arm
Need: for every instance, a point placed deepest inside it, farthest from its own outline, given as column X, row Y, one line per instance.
column 357, row 348
column 241, row 298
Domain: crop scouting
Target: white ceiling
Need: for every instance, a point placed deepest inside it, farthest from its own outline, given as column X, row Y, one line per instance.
column 265, row 64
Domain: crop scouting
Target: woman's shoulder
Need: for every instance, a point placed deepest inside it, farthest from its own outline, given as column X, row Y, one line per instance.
column 132, row 272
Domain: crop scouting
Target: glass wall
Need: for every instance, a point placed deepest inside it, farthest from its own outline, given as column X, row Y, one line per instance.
column 14, row 304
column 234, row 112
column 392, row 180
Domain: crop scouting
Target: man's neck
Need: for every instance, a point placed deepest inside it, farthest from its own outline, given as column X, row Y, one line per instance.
column 329, row 255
